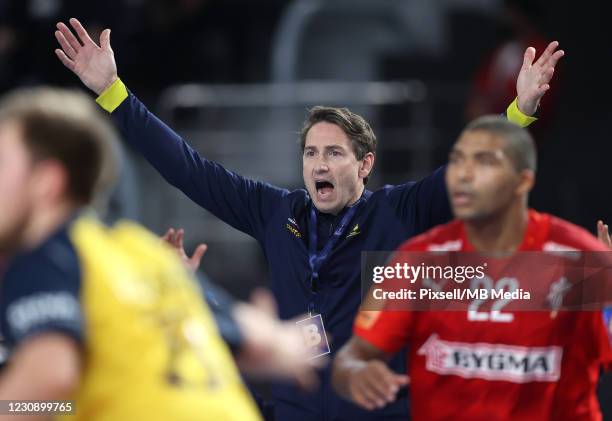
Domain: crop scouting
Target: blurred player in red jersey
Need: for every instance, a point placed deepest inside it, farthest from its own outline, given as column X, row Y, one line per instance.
column 463, row 367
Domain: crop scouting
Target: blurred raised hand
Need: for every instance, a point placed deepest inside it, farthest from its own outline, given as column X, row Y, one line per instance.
column 175, row 239
column 94, row 64
column 534, row 78
column 274, row 348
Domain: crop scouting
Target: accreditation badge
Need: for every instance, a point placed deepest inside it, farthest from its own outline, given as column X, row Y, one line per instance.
column 315, row 338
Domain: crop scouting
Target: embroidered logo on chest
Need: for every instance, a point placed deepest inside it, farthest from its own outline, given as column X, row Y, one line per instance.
column 293, row 228
column 355, row 231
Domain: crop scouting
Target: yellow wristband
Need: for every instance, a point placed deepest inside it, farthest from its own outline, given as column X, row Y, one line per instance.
column 516, row 116
column 113, row 96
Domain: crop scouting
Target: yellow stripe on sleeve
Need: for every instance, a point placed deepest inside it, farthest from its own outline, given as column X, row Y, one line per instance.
column 516, row 116
column 113, row 96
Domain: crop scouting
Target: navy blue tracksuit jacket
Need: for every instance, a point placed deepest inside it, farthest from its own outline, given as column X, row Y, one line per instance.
column 278, row 219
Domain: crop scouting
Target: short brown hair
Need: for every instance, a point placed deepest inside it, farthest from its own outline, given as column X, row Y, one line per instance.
column 66, row 126
column 353, row 125
column 520, row 146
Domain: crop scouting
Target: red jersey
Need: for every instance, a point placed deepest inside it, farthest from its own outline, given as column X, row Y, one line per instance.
column 523, row 366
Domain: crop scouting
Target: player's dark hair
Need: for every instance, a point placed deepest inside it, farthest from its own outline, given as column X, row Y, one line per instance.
column 520, row 146
column 64, row 125
column 353, row 125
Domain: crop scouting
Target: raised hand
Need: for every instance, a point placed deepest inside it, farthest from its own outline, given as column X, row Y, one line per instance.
column 175, row 239
column 93, row 64
column 534, row 78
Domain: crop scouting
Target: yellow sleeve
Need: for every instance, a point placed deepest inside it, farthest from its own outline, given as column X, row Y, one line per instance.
column 113, row 96
column 516, row 116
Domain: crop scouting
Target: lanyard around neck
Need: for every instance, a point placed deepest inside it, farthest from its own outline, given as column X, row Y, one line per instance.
column 316, row 260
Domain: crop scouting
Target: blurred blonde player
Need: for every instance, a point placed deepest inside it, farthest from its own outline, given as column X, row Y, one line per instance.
column 106, row 317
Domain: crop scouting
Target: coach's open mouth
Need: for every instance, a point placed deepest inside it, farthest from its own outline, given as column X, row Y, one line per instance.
column 324, row 189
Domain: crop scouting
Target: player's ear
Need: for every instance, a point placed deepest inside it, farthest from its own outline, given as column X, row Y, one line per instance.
column 526, row 182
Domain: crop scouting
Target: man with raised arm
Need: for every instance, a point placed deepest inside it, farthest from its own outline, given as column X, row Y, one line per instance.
column 313, row 237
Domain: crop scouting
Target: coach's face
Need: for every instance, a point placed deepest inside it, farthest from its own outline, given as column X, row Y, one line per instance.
column 481, row 179
column 332, row 174
column 15, row 185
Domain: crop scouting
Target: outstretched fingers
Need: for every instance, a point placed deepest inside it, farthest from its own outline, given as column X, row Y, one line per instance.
column 64, row 59
column 178, row 240
column 105, row 39
column 67, row 33
column 196, row 258
column 81, row 32
column 550, row 57
column 546, row 55
column 552, row 61
column 528, row 58
column 66, row 47
column 169, row 236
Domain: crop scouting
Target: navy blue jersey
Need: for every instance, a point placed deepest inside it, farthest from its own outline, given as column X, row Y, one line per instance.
column 40, row 292
column 278, row 219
